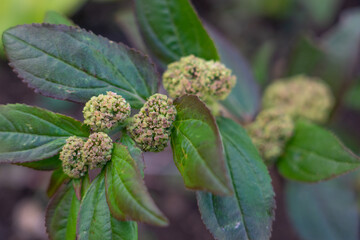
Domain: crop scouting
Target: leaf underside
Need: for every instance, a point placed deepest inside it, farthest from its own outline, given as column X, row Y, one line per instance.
column 70, row 63
column 314, row 154
column 197, row 147
column 250, row 212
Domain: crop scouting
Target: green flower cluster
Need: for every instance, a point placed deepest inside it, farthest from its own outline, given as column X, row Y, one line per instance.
column 302, row 97
column 270, row 132
column 209, row 80
column 71, row 156
column 97, row 150
column 106, row 111
column 77, row 157
column 151, row 127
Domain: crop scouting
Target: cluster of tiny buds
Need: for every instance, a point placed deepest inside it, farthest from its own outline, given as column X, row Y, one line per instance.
column 106, row 111
column 71, row 156
column 209, row 80
column 77, row 157
column 151, row 127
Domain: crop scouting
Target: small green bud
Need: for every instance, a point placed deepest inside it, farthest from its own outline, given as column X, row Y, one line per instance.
column 209, row 80
column 151, row 127
column 97, row 150
column 71, row 156
column 106, row 111
column 270, row 132
column 302, row 97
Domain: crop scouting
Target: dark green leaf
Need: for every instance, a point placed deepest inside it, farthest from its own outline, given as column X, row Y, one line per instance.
column 172, row 30
column 51, row 163
column 57, row 18
column 134, row 151
column 326, row 210
column 352, row 96
column 305, row 57
column 197, row 147
column 126, row 192
column 95, row 220
column 250, row 212
column 321, row 12
column 61, row 215
column 30, row 133
column 243, row 101
column 314, row 154
column 73, row 64
column 58, row 177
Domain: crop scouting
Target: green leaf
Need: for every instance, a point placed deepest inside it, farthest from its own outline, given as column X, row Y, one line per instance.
column 31, row 134
column 126, row 192
column 172, row 29
column 243, row 101
column 57, row 18
column 305, row 57
column 197, row 147
column 262, row 62
column 352, row 96
column 51, row 163
column 95, row 220
column 73, row 64
column 326, row 210
column 134, row 151
column 314, row 154
column 321, row 12
column 58, row 177
column 250, row 212
column 61, row 215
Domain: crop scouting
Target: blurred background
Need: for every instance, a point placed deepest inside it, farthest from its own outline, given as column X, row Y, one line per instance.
column 277, row 38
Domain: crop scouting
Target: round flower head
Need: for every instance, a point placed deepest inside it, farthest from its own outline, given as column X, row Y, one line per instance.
column 151, row 127
column 270, row 132
column 302, row 97
column 209, row 80
column 97, row 150
column 73, row 164
column 106, row 111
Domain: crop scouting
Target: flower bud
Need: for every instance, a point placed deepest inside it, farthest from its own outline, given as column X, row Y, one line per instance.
column 97, row 150
column 72, row 162
column 209, row 80
column 106, row 111
column 270, row 132
column 302, row 97
column 151, row 127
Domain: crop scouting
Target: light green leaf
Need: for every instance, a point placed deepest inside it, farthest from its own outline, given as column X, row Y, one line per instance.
column 73, row 64
column 326, row 210
column 314, row 154
column 126, row 192
column 134, row 151
column 197, row 147
column 250, row 212
column 31, row 134
column 172, row 29
column 61, row 215
column 95, row 220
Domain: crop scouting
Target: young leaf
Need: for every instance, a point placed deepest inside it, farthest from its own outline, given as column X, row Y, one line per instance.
column 314, row 154
column 31, row 134
column 95, row 220
column 126, row 192
column 244, row 100
column 326, row 210
column 134, row 151
column 197, row 147
column 51, row 163
column 58, row 177
column 172, row 30
column 61, row 214
column 57, row 18
column 73, row 64
column 250, row 212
